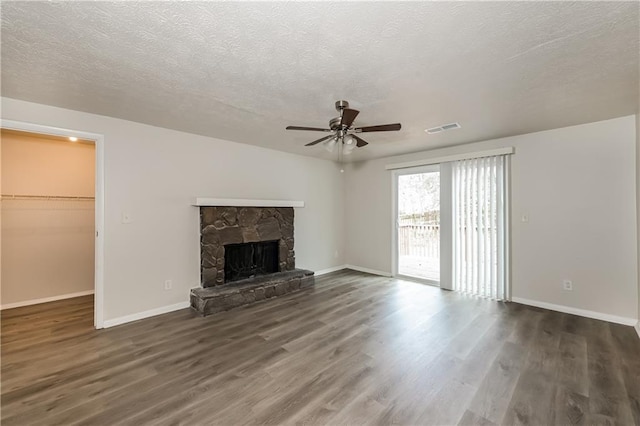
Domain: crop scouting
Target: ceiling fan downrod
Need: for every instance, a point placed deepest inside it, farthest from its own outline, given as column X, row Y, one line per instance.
column 341, row 106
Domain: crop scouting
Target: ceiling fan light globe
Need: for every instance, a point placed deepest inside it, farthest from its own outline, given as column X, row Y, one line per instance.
column 347, row 149
column 349, row 141
column 330, row 144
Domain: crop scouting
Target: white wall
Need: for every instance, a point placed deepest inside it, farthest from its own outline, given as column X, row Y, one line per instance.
column 155, row 174
column 48, row 245
column 576, row 184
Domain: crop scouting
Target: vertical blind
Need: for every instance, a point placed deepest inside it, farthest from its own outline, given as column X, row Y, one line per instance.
column 479, row 227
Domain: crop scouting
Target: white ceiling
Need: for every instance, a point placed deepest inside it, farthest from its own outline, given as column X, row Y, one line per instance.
column 244, row 71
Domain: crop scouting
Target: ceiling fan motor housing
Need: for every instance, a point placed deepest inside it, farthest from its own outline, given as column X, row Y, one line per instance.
column 334, row 123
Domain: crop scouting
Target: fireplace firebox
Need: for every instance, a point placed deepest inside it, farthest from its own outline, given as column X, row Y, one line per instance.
column 247, row 260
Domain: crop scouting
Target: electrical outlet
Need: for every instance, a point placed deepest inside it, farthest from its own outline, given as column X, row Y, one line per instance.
column 126, row 217
column 335, row 254
column 567, row 285
column 525, row 218
column 168, row 285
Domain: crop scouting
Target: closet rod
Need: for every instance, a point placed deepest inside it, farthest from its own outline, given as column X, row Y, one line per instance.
column 45, row 197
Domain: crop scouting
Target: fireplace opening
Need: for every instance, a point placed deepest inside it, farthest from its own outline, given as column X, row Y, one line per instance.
column 250, row 259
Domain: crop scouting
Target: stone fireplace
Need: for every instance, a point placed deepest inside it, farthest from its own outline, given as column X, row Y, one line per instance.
column 246, row 255
column 223, row 228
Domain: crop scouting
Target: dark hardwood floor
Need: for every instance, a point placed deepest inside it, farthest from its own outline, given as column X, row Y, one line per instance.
column 357, row 349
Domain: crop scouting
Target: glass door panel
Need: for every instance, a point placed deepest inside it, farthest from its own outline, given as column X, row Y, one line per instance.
column 418, row 225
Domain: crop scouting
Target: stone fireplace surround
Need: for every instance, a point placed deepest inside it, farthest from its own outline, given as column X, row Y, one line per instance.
column 224, row 225
column 220, row 226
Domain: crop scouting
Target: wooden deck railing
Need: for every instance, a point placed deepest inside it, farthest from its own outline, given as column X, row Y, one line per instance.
column 419, row 239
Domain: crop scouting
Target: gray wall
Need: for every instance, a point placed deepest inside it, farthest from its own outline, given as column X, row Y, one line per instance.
column 576, row 184
column 155, row 174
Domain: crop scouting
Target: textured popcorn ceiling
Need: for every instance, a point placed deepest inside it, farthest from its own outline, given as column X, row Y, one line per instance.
column 244, row 71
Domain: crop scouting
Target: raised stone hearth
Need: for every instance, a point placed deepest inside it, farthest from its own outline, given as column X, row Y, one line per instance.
column 220, row 226
column 210, row 300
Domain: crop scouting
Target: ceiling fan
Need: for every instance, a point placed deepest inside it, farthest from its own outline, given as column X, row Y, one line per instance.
column 342, row 130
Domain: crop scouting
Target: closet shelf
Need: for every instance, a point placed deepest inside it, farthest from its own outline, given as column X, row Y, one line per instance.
column 6, row 197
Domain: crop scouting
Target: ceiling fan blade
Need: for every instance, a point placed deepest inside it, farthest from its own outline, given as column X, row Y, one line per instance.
column 315, row 129
column 379, row 128
column 360, row 142
column 348, row 115
column 320, row 140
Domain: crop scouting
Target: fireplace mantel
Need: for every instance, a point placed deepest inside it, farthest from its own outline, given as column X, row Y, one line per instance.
column 239, row 202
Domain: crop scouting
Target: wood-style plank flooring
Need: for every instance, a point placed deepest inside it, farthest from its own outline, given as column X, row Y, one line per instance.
column 356, row 349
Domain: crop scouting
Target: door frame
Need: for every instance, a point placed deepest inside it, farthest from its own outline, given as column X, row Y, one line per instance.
column 395, row 174
column 98, row 139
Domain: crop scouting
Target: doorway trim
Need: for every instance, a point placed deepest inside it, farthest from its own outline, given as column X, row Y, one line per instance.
column 98, row 139
column 395, row 174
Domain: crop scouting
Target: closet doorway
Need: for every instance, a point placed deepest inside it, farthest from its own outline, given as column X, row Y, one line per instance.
column 51, row 220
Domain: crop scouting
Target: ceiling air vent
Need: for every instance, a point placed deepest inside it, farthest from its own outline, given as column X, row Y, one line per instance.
column 451, row 126
column 442, row 128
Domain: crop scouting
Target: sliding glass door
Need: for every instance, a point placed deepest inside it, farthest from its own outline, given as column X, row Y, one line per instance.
column 418, row 224
column 451, row 225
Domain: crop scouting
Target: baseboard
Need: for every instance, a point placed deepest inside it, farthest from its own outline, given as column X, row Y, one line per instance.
column 576, row 311
column 329, row 270
column 354, row 268
column 165, row 309
column 146, row 314
column 367, row 270
column 637, row 327
column 45, row 300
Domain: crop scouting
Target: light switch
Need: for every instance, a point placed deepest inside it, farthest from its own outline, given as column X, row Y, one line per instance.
column 525, row 218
